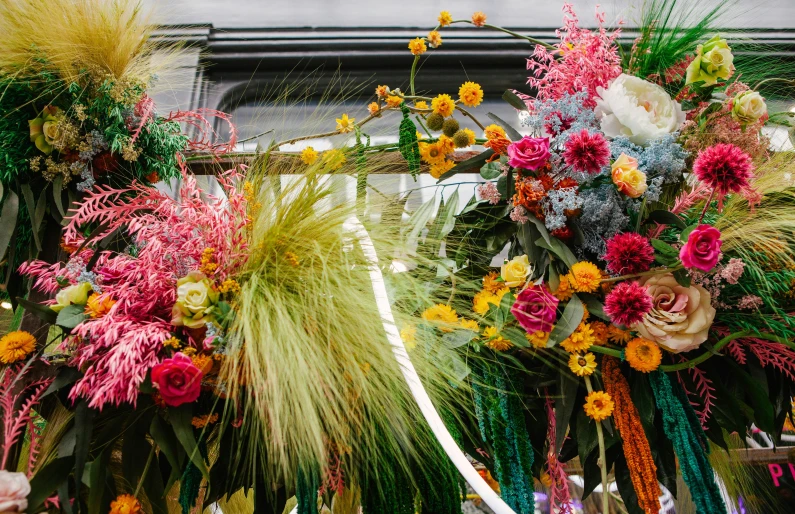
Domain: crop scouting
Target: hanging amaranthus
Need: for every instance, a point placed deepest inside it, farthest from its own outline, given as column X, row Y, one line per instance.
column 642, row 469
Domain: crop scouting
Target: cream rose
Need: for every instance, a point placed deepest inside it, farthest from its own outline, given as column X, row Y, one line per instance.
column 196, row 301
column 714, row 60
column 638, row 109
column 516, row 271
column 14, row 491
column 627, row 177
column 681, row 316
column 76, row 294
column 748, row 107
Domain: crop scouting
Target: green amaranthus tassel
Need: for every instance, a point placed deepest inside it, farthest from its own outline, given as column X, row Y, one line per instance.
column 306, row 485
column 501, row 421
column 189, row 487
column 408, row 142
column 691, row 447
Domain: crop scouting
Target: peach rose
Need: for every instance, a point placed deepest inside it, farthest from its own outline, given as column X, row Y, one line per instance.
column 680, row 318
column 627, row 177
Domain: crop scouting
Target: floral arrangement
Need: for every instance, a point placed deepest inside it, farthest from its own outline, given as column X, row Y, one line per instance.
column 629, row 246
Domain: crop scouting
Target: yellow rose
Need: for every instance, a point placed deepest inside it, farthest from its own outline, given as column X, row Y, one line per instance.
column 748, row 107
column 76, row 294
column 44, row 129
column 627, row 177
column 196, row 301
column 516, row 271
column 714, row 60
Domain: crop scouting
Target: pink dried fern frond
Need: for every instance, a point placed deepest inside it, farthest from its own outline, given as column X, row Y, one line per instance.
column 773, row 354
column 206, row 138
column 15, row 420
column 559, row 494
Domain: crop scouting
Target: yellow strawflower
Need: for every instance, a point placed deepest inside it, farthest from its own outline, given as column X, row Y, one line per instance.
column 417, row 46
column 494, row 131
column 393, row 101
column 495, row 341
column 643, row 355
column 434, row 39
column 421, row 104
column 373, row 108
column 585, row 277
column 440, row 168
column 479, row 19
column 470, row 324
column 445, row 18
column 16, row 345
column 309, row 155
column 538, row 339
column 125, row 504
column 345, row 124
column 598, row 405
column 580, row 340
column 443, row 105
column 471, row 94
column 441, row 314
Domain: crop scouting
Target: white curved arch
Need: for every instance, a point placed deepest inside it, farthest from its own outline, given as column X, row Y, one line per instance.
column 413, row 380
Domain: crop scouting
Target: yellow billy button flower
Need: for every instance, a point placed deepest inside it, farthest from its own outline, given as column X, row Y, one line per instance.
column 598, row 405
column 443, row 105
column 516, row 271
column 434, row 39
column 445, row 18
column 582, row 365
column 585, row 277
column 345, row 124
column 309, row 155
column 16, row 345
column 626, row 176
column 495, row 341
column 417, row 46
column 471, row 94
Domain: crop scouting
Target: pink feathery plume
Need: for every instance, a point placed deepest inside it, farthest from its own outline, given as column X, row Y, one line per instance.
column 206, row 138
column 559, row 494
column 143, row 110
column 15, row 420
column 583, row 60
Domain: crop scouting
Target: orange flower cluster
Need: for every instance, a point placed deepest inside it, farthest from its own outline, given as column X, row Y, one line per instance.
column 642, row 469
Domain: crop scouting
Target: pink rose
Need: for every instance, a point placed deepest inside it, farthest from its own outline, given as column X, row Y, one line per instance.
column 177, row 379
column 14, row 491
column 535, row 309
column 702, row 249
column 529, row 153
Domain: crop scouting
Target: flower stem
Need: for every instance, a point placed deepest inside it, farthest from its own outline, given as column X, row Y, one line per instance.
column 643, row 274
column 512, row 33
column 692, row 363
column 145, row 471
column 413, row 72
column 602, row 455
column 706, row 205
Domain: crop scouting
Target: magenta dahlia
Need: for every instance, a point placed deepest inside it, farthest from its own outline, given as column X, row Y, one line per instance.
column 628, row 253
column 724, row 167
column 587, row 152
column 628, row 303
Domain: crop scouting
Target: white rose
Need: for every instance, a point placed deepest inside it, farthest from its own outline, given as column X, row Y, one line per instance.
column 748, row 107
column 638, row 109
column 14, row 490
column 680, row 318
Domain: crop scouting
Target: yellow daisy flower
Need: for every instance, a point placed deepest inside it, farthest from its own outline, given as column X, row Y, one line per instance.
column 440, row 168
column 494, row 131
column 580, row 340
column 333, row 159
column 582, row 365
column 345, row 124
column 470, row 324
column 538, row 339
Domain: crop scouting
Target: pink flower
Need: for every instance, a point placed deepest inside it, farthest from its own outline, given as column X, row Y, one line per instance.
column 702, row 249
column 628, row 303
column 586, row 152
column 529, row 153
column 724, row 167
column 628, row 253
column 488, row 191
column 732, row 271
column 177, row 379
column 535, row 309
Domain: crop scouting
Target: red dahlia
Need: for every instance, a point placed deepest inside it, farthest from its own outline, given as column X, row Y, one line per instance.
column 628, row 253
column 724, row 167
column 586, row 152
column 628, row 303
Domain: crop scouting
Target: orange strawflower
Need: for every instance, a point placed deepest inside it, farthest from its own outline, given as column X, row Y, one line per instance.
column 417, row 46
column 373, row 108
column 479, row 19
column 643, row 355
column 125, row 504
column 491, row 284
column 598, row 405
column 16, row 345
column 382, row 91
column 99, row 304
column 434, row 39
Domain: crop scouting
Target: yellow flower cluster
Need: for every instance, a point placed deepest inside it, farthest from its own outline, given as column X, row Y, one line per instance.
column 203, row 421
column 207, row 264
column 538, row 339
column 172, row 342
column 229, row 285
column 445, row 18
column 309, row 156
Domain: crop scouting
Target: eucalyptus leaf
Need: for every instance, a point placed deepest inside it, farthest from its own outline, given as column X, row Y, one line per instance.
column 8, row 222
column 516, row 336
column 664, row 248
column 560, row 250
column 594, row 306
column 71, row 316
column 27, row 194
column 568, row 322
column 57, row 194
column 449, row 215
column 682, row 277
column 180, row 418
column 513, row 99
column 41, row 209
column 458, row 338
column 419, row 219
column 509, row 130
column 473, row 162
column 491, row 170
